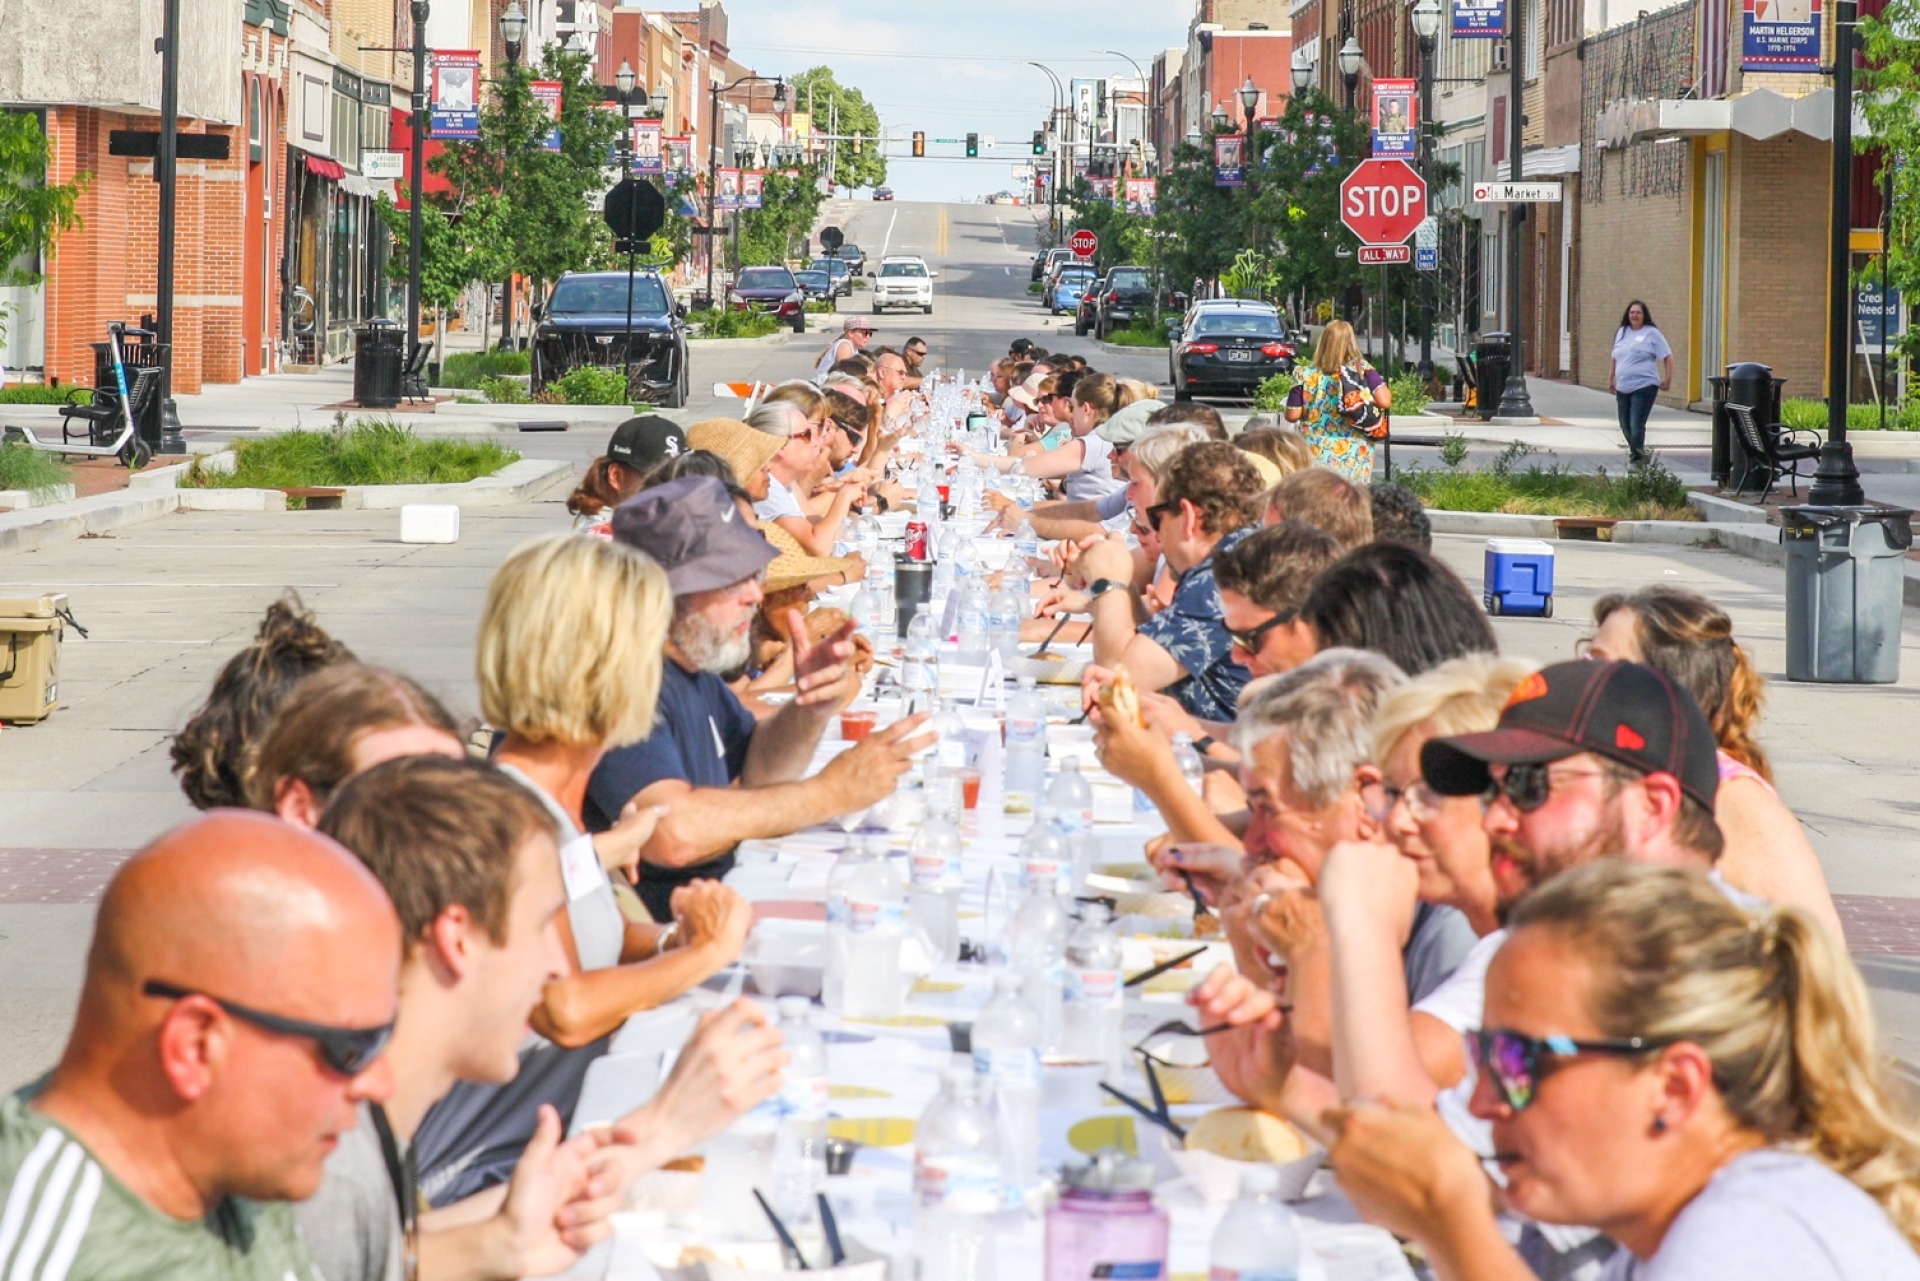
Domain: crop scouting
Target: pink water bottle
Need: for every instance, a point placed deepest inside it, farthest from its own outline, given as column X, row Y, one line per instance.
column 1105, row 1223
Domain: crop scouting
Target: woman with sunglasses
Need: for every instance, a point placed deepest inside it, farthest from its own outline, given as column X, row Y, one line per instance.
column 1701, row 1085
column 1691, row 640
column 1083, row 464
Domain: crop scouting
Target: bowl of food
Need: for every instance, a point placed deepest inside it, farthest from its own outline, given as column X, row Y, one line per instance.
column 1222, row 1143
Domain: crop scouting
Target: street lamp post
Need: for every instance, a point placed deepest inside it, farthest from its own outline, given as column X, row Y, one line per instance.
column 1426, row 29
column 1053, row 153
column 513, row 30
column 713, row 157
column 623, row 82
column 1351, row 57
column 1514, row 399
column 1836, row 482
column 416, row 176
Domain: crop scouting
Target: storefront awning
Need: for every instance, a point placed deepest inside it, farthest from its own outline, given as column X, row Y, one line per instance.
column 354, row 185
column 321, row 167
column 1761, row 113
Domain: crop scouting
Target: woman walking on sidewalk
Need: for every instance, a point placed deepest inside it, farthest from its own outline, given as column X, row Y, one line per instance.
column 1641, row 368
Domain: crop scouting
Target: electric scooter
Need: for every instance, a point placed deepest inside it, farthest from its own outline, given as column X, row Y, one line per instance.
column 127, row 446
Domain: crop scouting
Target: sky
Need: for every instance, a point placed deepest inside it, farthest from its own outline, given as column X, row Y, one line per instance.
column 952, row 69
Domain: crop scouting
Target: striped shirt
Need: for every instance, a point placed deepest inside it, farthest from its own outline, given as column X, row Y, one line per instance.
column 65, row 1217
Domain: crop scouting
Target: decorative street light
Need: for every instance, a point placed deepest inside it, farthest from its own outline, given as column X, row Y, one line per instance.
column 416, row 176
column 1350, row 59
column 1425, row 16
column 714, row 151
column 513, row 31
column 658, row 101
column 623, row 80
column 1249, row 99
column 1303, row 73
column 1220, row 121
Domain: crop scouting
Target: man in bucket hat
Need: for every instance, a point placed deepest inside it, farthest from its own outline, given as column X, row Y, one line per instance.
column 722, row 776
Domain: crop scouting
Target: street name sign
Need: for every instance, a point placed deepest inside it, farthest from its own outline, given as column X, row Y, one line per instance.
column 1517, row 193
column 1384, row 255
column 1382, row 201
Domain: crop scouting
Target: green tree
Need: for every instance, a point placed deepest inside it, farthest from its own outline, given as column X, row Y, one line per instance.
column 816, row 90
column 1891, row 104
column 1295, row 207
column 788, row 207
column 33, row 212
column 1124, row 237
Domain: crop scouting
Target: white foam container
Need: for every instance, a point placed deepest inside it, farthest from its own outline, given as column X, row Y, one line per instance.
column 429, row 523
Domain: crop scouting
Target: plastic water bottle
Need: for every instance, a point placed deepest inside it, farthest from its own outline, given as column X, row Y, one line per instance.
column 1006, row 1052
column 920, row 662
column 800, row 1141
column 1043, row 856
column 933, row 895
column 1026, row 543
column 1037, row 952
column 1070, row 797
column 1005, row 612
column 956, row 1183
column 1026, row 763
column 949, row 750
column 1091, row 1012
column 866, row 923
column 1258, row 1239
column 1187, row 757
column 974, row 621
column 868, row 612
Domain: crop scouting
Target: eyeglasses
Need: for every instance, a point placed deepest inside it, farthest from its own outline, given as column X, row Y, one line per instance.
column 1513, row 1061
column 1423, row 802
column 1250, row 639
column 347, row 1050
column 1528, row 786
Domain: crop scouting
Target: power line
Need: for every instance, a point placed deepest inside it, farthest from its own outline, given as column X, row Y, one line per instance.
column 931, row 57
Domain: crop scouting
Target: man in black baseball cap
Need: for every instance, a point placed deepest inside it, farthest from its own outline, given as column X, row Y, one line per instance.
column 1589, row 760
column 707, row 752
column 645, row 442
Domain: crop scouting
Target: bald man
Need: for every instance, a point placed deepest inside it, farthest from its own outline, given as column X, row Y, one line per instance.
column 238, row 995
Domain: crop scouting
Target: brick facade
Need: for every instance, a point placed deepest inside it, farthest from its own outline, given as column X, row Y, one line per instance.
column 1634, row 246
column 1777, row 219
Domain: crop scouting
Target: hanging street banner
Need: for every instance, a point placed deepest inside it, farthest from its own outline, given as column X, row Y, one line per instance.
column 728, row 196
column 547, row 94
column 752, row 183
column 1102, row 189
column 1780, row 35
column 456, row 93
column 1143, row 195
column 647, row 158
column 1229, row 160
column 677, row 156
column 1395, row 119
column 1479, row 19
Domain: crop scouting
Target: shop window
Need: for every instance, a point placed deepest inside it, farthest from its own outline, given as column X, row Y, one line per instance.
column 256, row 127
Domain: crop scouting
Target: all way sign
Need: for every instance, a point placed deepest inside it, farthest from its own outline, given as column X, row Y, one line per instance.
column 1384, row 255
column 1517, row 193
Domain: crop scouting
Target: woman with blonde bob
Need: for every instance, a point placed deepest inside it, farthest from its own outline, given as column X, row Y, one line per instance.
column 1691, row 640
column 1701, row 1085
column 1314, row 403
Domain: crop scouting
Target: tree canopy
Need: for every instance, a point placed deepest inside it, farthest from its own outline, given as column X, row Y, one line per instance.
column 816, row 90
column 33, row 212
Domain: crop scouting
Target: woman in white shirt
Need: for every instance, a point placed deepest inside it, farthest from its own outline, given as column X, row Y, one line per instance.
column 1701, row 1085
column 1641, row 368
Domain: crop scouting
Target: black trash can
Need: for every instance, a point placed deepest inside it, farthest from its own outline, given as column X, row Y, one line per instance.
column 1745, row 383
column 1846, row 586
column 379, row 357
column 133, row 355
column 1494, row 357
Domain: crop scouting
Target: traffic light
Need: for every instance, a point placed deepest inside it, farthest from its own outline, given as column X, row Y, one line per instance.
column 919, row 142
column 856, row 144
column 973, row 145
column 1039, row 142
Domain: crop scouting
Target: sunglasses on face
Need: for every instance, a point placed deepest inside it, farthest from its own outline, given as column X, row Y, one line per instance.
column 1514, row 1063
column 1250, row 639
column 1528, row 787
column 347, row 1050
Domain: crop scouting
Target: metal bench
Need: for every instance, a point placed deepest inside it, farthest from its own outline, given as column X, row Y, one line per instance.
column 413, row 375
column 1776, row 450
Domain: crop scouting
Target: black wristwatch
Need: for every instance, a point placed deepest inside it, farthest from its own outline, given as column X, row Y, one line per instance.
column 1100, row 587
column 1203, row 743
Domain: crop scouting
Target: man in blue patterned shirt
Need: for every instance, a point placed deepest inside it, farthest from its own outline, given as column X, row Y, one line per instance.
column 1205, row 506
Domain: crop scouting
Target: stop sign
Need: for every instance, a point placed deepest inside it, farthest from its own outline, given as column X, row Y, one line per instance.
column 1084, row 243
column 1383, row 201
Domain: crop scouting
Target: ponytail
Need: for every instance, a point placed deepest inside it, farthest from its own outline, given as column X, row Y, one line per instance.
column 1740, row 713
column 599, row 490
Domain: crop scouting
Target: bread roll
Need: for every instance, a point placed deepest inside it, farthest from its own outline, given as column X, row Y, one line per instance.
column 1246, row 1134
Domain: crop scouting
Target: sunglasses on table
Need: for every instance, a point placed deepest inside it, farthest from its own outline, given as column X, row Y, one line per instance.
column 1516, row 1064
column 1250, row 639
column 347, row 1050
column 1529, row 786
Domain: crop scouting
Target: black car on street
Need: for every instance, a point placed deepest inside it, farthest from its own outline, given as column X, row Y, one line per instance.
column 1226, row 347
column 586, row 318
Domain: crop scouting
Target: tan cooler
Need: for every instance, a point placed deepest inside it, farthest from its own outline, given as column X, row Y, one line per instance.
column 31, row 628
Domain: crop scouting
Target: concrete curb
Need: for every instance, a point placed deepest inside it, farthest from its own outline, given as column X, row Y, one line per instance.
column 22, row 499
column 764, row 340
column 1114, row 348
column 1726, row 510
column 99, row 514
column 1493, row 524
column 232, row 500
column 516, row 483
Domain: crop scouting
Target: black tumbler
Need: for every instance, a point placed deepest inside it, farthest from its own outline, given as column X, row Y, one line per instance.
column 912, row 589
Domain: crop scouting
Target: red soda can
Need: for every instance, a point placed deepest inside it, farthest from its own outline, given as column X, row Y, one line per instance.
column 916, row 540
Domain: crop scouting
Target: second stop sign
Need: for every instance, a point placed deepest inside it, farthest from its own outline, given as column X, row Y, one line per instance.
column 1383, row 201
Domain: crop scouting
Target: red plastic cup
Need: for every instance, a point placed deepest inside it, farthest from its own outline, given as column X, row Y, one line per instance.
column 969, row 785
column 855, row 726
column 945, row 493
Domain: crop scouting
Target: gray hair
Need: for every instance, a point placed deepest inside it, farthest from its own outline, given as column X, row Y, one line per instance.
column 779, row 418
column 1325, row 707
column 1157, row 446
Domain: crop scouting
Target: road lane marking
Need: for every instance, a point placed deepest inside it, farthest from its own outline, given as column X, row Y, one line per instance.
column 940, row 237
column 888, row 238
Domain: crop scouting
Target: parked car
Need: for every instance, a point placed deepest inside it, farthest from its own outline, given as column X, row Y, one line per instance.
column 853, row 255
column 816, row 285
column 1064, row 290
column 1225, row 347
column 585, row 321
column 1088, row 310
column 903, row 282
column 1124, row 293
column 838, row 271
column 770, row 289
column 883, row 193
column 1047, row 259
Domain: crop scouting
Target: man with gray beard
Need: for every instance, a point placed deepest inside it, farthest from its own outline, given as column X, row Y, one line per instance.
column 722, row 777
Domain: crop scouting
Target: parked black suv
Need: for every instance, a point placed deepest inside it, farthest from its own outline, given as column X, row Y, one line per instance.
column 1121, row 294
column 584, row 321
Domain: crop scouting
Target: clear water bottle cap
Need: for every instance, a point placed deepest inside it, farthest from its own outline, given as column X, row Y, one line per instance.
column 793, row 1009
column 1260, row 1180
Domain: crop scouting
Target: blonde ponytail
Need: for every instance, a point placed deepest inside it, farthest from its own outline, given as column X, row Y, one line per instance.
column 1773, row 1001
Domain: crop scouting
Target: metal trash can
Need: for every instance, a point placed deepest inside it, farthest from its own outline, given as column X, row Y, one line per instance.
column 134, row 354
column 31, row 629
column 379, row 357
column 1494, row 357
column 1745, row 383
column 1845, row 589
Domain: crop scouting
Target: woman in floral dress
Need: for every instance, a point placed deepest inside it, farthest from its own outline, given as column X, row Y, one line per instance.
column 1314, row 403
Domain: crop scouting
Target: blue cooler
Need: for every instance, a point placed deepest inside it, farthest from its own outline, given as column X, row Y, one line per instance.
column 1519, row 577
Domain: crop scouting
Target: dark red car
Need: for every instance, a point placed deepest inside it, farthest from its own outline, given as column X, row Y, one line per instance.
column 770, row 289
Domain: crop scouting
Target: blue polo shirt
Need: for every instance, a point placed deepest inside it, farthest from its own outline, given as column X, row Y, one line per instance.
column 700, row 735
column 1193, row 629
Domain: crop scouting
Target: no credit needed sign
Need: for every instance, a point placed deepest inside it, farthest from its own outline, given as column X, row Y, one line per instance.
column 1084, row 243
column 1383, row 201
